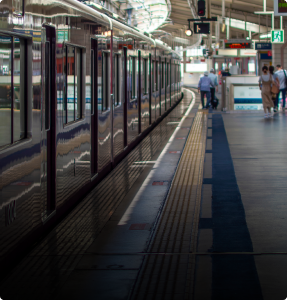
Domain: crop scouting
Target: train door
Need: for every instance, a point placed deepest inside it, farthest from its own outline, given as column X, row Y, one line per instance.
column 94, row 107
column 49, row 116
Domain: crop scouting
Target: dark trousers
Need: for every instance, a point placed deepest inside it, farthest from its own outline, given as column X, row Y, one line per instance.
column 212, row 90
column 208, row 96
column 284, row 92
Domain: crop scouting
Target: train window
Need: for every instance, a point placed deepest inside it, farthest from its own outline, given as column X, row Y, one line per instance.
column 146, row 77
column 47, row 86
column 73, row 66
column 105, row 80
column 12, row 94
column 117, row 79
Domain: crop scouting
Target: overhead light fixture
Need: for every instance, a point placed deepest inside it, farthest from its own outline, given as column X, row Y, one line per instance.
column 188, row 32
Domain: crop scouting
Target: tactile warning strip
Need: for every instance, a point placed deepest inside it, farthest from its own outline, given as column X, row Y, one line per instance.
column 171, row 276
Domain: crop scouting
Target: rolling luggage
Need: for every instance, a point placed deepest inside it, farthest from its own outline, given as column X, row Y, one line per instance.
column 214, row 103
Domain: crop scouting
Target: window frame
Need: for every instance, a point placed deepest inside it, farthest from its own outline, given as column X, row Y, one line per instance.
column 26, row 74
column 81, row 82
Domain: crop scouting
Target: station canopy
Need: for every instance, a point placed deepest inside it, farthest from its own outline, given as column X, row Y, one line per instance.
column 167, row 20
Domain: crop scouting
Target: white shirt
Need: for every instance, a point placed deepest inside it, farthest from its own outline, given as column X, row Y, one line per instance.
column 282, row 79
column 265, row 78
column 213, row 78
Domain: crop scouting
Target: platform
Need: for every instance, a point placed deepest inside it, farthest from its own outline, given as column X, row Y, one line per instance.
column 196, row 211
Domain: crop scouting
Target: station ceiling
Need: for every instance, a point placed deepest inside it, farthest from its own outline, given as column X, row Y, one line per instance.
column 237, row 9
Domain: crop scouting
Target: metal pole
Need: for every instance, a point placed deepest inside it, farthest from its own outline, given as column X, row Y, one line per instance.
column 227, row 30
column 245, row 25
column 259, row 26
column 264, row 5
column 266, row 27
column 281, row 22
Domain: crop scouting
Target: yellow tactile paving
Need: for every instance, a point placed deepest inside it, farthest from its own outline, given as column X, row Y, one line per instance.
column 168, row 271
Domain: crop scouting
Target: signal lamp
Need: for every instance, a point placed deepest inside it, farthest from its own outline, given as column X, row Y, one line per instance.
column 201, row 8
column 188, row 32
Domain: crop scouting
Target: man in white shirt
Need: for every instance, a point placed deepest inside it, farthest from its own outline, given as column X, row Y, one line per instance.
column 214, row 80
column 282, row 76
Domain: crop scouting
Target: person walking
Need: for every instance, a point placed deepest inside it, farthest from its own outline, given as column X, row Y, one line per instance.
column 204, row 87
column 275, row 87
column 282, row 76
column 213, row 78
column 265, row 82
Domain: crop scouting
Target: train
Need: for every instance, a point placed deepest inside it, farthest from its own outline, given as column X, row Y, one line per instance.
column 78, row 90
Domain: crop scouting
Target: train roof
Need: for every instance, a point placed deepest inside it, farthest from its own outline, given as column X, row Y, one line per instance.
column 111, row 22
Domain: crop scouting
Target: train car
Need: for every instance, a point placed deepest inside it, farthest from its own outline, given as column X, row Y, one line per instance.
column 78, row 90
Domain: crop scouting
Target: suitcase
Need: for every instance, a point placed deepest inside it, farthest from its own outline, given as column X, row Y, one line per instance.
column 214, row 103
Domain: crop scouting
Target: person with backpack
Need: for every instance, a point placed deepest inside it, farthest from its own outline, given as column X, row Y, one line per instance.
column 265, row 82
column 282, row 76
column 274, row 88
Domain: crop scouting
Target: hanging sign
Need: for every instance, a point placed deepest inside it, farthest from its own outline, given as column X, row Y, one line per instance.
column 277, row 36
column 263, row 46
column 280, row 8
column 201, row 28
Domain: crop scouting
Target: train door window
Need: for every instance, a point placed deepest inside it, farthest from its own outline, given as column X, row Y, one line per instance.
column 146, row 77
column 78, row 86
column 92, row 86
column 73, row 99
column 163, row 75
column 216, row 67
column 153, row 75
column 105, row 80
column 117, row 79
column 167, row 74
column 47, row 85
column 134, row 77
column 157, row 77
column 13, row 66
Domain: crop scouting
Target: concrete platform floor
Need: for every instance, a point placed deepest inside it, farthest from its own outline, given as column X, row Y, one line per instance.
column 233, row 244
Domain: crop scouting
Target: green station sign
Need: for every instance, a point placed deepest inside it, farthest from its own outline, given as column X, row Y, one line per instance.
column 277, row 36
